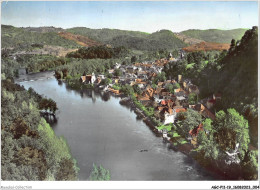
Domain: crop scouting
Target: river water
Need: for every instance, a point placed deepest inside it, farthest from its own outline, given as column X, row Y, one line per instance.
column 99, row 130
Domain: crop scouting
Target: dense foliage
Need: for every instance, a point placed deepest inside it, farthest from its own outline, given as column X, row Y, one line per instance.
column 77, row 67
column 221, row 136
column 30, row 150
column 99, row 52
column 163, row 39
column 105, row 34
column 32, row 63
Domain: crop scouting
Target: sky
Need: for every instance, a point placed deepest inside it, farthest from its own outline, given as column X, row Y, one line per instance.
column 145, row 16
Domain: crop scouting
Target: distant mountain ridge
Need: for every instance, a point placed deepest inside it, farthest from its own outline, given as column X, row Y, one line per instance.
column 215, row 35
column 163, row 39
column 44, row 29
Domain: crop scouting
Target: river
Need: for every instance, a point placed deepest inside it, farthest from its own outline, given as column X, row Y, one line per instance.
column 99, row 130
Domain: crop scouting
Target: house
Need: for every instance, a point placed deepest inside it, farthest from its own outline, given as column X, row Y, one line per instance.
column 193, row 89
column 90, row 79
column 169, row 103
column 131, row 69
column 114, row 91
column 141, row 86
column 157, row 70
column 166, row 95
column 115, row 81
column 176, row 110
column 204, row 111
column 186, row 83
column 193, row 133
column 122, row 81
column 177, row 90
column 181, row 96
column 122, row 70
column 160, row 84
column 111, row 71
column 93, row 78
column 216, row 96
column 98, row 80
column 210, row 103
column 179, row 78
column 166, row 114
column 147, row 94
column 170, row 56
column 83, row 78
column 117, row 66
column 101, row 76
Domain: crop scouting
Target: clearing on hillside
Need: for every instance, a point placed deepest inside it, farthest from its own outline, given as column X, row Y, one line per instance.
column 207, row 46
column 81, row 40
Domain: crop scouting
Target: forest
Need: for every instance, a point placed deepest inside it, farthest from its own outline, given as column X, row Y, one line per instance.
column 30, row 149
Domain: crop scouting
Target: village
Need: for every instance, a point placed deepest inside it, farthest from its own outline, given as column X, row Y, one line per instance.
column 166, row 98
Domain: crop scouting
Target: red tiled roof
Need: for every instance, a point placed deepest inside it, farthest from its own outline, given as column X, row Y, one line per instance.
column 160, row 83
column 113, row 90
column 212, row 101
column 163, row 102
column 178, row 110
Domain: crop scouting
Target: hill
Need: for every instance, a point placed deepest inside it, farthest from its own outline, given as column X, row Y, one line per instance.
column 238, row 79
column 207, row 46
column 13, row 37
column 239, row 71
column 105, row 34
column 43, row 29
column 215, row 35
column 163, row 39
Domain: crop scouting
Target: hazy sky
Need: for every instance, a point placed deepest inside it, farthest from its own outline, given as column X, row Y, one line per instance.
column 132, row 15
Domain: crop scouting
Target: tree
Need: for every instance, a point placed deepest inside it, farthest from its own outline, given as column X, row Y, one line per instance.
column 160, row 78
column 170, row 88
column 137, row 89
column 250, row 165
column 127, row 89
column 176, row 85
column 133, row 59
column 193, row 98
column 208, row 146
column 99, row 174
column 232, row 45
column 207, row 125
column 106, row 81
column 192, row 119
column 117, row 72
column 231, row 129
column 66, row 171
